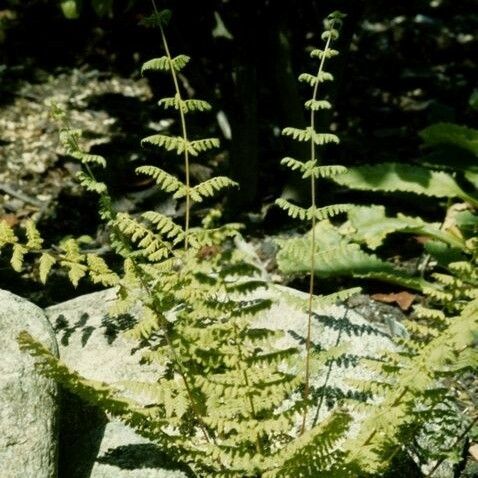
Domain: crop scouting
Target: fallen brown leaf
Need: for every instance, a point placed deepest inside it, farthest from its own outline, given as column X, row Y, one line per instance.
column 403, row 299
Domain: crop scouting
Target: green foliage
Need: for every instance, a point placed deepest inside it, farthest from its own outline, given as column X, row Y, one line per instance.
column 229, row 398
column 393, row 177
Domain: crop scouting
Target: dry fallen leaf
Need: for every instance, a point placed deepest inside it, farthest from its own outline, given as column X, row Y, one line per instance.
column 403, row 299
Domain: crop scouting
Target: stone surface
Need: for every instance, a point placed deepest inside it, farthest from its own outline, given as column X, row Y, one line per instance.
column 90, row 342
column 28, row 408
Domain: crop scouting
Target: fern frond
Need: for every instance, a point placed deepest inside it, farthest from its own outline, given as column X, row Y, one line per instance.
column 313, row 80
column 209, row 187
column 326, row 212
column 46, row 263
column 329, row 171
column 205, row 144
column 167, row 182
column 87, row 158
column 318, row 53
column 90, row 184
column 170, row 143
column 293, row 164
column 99, row 271
column 316, row 105
column 34, row 240
column 186, row 106
column 165, row 64
column 7, row 236
column 18, row 253
column 165, row 225
column 298, row 134
column 291, row 209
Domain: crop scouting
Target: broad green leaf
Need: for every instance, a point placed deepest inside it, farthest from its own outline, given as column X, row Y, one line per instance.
column 342, row 260
column 393, row 177
column 371, row 225
column 451, row 134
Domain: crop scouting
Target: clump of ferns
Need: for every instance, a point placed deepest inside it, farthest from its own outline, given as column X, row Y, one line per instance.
column 227, row 401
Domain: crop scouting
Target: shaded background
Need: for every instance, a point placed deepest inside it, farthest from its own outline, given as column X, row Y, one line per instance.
column 403, row 66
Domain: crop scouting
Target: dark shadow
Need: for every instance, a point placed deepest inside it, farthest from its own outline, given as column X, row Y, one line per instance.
column 112, row 326
column 141, row 455
column 82, row 428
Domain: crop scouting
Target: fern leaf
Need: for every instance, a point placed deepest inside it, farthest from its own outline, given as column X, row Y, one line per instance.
column 34, row 240
column 99, row 271
column 167, row 182
column 324, row 138
column 165, row 225
column 179, row 62
column 329, row 171
column 317, row 105
column 46, row 263
column 349, row 259
column 7, row 236
column 18, row 254
column 313, row 80
column 186, row 106
column 93, row 159
column 90, row 184
column 170, row 143
column 318, row 53
column 293, row 164
column 298, row 134
column 161, row 64
column 204, row 144
column 209, row 188
column 327, row 211
column 291, row 209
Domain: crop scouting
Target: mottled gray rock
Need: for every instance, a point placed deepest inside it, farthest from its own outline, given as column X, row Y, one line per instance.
column 90, row 342
column 28, row 408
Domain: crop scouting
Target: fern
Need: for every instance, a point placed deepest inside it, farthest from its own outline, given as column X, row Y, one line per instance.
column 310, row 169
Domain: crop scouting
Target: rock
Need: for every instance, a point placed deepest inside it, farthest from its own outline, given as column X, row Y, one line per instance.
column 90, row 342
column 28, row 413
